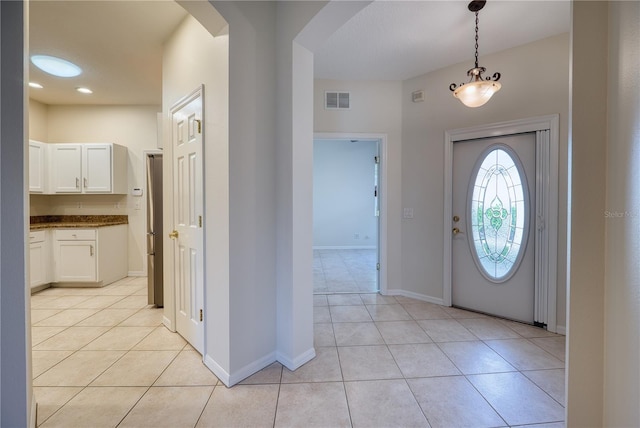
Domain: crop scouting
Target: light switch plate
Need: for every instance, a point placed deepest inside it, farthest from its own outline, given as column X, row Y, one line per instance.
column 408, row 213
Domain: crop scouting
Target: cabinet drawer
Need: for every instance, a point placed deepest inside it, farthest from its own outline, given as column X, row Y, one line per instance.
column 75, row 235
column 36, row 236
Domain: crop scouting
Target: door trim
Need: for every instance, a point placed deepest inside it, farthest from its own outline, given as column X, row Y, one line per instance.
column 546, row 236
column 384, row 161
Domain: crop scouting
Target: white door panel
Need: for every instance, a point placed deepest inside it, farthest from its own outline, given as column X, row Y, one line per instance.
column 493, row 255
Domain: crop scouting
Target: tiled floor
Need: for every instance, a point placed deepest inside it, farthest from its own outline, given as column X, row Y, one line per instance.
column 102, row 358
column 345, row 271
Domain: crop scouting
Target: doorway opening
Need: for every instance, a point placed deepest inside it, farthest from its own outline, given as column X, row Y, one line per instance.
column 347, row 214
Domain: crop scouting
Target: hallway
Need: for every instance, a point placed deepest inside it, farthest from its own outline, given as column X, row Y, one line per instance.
column 101, row 358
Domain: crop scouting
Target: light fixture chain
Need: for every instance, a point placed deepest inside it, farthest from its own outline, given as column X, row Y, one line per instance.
column 477, row 39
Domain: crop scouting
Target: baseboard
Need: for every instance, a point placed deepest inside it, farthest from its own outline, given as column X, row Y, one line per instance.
column 298, row 361
column 136, row 273
column 344, row 247
column 217, row 370
column 417, row 296
column 230, row 379
column 167, row 323
column 561, row 329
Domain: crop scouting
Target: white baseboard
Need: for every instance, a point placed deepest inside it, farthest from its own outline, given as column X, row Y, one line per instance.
column 217, row 370
column 230, row 379
column 344, row 247
column 561, row 329
column 136, row 273
column 294, row 363
column 167, row 323
column 417, row 296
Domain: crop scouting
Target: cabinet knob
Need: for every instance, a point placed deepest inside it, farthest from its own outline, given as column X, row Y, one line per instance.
column 174, row 234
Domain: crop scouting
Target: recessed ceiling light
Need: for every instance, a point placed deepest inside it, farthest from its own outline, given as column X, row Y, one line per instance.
column 56, row 66
column 35, row 85
column 84, row 90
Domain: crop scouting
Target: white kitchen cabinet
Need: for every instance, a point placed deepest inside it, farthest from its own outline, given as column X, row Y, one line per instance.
column 38, row 166
column 94, row 257
column 89, row 168
column 39, row 258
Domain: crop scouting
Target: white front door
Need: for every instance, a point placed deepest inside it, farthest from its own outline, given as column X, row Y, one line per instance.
column 186, row 136
column 492, row 228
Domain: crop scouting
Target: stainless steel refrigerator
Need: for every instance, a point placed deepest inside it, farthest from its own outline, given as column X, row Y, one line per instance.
column 154, row 229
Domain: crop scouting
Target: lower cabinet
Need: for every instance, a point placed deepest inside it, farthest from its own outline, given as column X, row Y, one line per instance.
column 39, row 258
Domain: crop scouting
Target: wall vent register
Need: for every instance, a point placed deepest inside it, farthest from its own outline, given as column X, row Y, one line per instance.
column 337, row 100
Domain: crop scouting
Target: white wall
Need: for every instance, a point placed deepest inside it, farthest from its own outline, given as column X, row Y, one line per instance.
column 343, row 193
column 622, row 251
column 134, row 127
column 423, row 127
column 38, row 121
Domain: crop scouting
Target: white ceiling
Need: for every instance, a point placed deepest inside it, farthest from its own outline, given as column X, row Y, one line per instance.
column 119, row 43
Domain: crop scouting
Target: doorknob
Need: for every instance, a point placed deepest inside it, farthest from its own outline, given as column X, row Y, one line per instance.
column 456, row 218
column 455, row 231
column 174, row 234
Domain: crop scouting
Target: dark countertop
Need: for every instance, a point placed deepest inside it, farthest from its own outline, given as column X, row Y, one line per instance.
column 76, row 221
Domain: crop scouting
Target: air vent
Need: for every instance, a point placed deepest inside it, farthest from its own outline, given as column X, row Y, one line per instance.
column 337, row 100
column 417, row 96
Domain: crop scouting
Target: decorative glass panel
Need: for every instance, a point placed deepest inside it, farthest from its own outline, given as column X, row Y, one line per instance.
column 498, row 213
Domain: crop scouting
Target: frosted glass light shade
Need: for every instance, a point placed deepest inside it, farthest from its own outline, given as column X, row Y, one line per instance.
column 475, row 94
column 56, row 66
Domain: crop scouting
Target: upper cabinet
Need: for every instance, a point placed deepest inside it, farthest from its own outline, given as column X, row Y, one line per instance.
column 88, row 168
column 37, row 167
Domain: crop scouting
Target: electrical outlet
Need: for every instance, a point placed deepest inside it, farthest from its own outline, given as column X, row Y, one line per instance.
column 79, row 205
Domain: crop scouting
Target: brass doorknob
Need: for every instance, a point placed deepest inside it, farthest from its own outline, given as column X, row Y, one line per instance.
column 455, row 231
column 174, row 234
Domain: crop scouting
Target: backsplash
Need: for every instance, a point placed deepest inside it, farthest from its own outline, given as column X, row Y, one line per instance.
column 42, row 205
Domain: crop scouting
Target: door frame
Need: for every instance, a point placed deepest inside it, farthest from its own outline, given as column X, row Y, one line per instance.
column 383, row 199
column 546, row 215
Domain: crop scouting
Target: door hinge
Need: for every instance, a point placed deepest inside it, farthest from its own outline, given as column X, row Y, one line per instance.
column 199, row 122
column 201, row 316
column 200, row 220
column 377, row 266
column 376, row 159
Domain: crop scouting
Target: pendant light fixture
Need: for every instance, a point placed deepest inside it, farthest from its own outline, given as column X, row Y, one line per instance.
column 478, row 90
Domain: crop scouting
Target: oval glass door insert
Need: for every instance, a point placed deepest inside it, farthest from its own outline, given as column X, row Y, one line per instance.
column 499, row 213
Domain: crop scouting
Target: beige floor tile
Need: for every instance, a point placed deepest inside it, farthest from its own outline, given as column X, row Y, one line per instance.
column 52, row 398
column 187, row 369
column 526, row 330
column 136, row 368
column 161, row 339
column 38, row 315
column 554, row 345
column 377, row 299
column 65, row 302
column 241, row 406
column 119, row 339
column 78, row 369
column 453, row 402
column 475, row 358
column 66, row 318
column 170, row 407
column 41, row 361
column 425, row 311
column 357, row 333
column 488, row 329
column 320, row 300
column 323, row 335
column 40, row 334
column 72, row 339
column 349, row 314
column 422, row 360
column 461, row 313
column 407, row 300
column 550, row 381
column 321, row 314
column 268, row 375
column 312, row 405
column 344, row 300
column 325, row 367
column 516, row 399
column 402, row 332
column 524, row 355
column 42, row 302
column 107, row 317
column 131, row 302
column 96, row 407
column 367, row 363
column 388, row 313
column 400, row 408
column 98, row 302
column 117, row 290
column 145, row 318
column 446, row 330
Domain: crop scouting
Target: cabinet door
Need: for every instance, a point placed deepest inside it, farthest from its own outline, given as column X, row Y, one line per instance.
column 37, row 164
column 67, row 168
column 96, row 168
column 37, row 265
column 76, row 261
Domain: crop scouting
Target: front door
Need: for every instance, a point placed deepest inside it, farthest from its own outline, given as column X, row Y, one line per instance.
column 492, row 229
column 186, row 131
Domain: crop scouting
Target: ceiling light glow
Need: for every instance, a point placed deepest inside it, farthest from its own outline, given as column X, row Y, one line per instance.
column 56, row 66
column 84, row 90
column 35, row 85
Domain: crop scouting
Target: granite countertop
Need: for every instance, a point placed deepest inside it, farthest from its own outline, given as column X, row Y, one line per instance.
column 76, row 221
